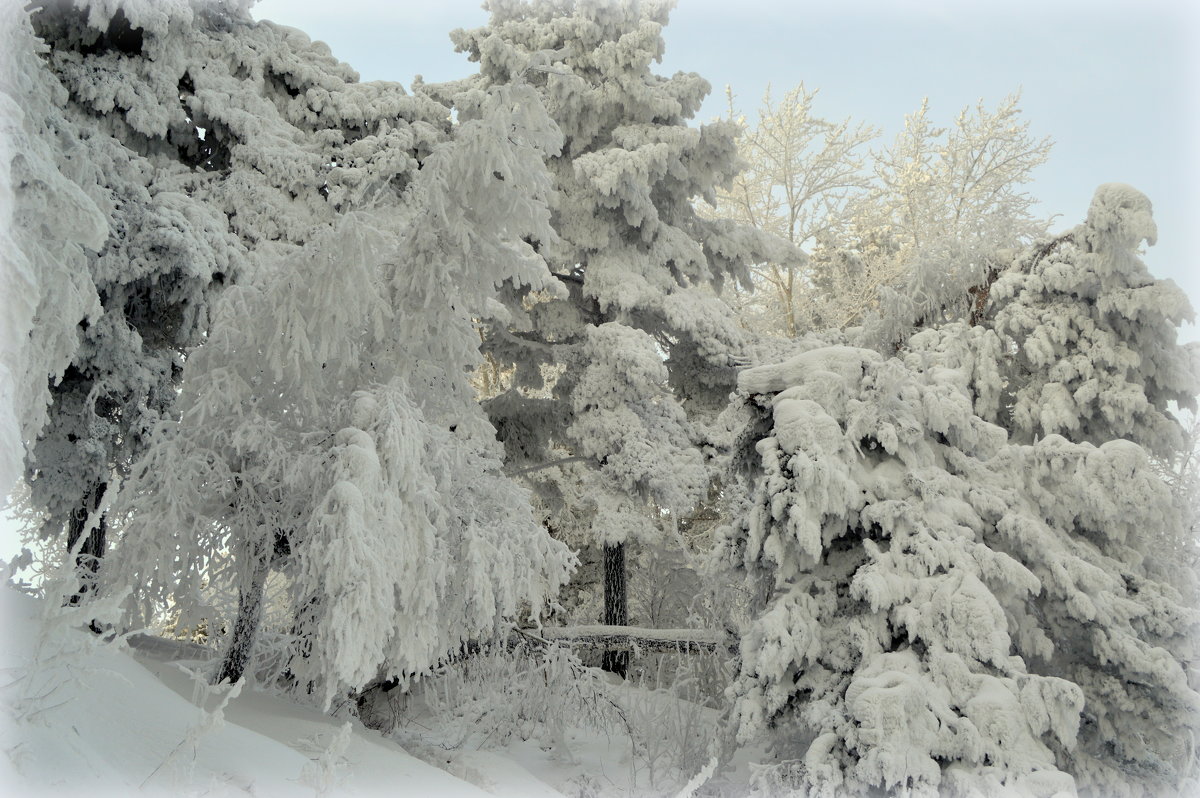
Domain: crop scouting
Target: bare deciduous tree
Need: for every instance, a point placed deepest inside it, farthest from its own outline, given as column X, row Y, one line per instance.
column 803, row 173
column 899, row 235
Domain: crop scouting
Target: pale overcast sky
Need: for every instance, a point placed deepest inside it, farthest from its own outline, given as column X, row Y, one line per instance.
column 1114, row 83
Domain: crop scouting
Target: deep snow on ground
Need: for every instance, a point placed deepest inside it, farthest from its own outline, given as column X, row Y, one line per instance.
column 82, row 716
column 88, row 718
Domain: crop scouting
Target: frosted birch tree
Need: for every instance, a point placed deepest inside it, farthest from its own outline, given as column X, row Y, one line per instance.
column 950, row 210
column 801, row 177
column 908, row 235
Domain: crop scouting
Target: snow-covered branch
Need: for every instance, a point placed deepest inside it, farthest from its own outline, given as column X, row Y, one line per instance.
column 639, row 638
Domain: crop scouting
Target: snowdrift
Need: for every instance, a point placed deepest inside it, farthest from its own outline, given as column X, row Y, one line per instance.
column 83, row 717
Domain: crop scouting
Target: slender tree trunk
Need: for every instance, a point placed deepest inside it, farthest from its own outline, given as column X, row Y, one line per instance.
column 245, row 628
column 296, row 673
column 87, row 560
column 616, row 606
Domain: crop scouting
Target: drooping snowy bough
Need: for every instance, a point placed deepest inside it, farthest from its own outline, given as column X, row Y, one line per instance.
column 946, row 609
column 942, row 610
column 330, row 467
column 51, row 225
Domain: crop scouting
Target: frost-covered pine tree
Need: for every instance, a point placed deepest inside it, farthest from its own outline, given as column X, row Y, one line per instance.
column 51, row 221
column 207, row 137
column 615, row 367
column 1095, row 355
column 329, row 434
column 942, row 611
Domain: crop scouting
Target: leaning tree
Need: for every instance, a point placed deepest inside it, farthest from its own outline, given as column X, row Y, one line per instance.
column 206, row 138
column 329, row 437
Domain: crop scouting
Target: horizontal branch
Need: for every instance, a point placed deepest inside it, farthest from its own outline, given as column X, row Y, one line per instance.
column 167, row 649
column 638, row 638
column 544, row 466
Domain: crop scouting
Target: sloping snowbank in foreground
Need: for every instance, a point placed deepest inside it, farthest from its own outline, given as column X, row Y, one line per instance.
column 85, row 718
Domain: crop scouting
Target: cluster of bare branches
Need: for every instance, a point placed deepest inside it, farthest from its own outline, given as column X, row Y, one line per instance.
column 949, row 201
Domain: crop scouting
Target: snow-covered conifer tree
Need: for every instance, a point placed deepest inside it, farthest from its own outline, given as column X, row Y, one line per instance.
column 1096, row 356
column 50, row 221
column 207, row 137
column 942, row 611
column 329, row 433
column 616, row 366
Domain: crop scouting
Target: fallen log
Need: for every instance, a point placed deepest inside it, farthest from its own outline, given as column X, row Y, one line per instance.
column 637, row 638
column 167, row 649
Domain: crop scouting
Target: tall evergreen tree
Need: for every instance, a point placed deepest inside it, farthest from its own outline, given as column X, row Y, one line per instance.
column 616, row 369
column 947, row 609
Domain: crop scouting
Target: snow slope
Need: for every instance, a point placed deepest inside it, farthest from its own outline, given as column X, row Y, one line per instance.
column 81, row 716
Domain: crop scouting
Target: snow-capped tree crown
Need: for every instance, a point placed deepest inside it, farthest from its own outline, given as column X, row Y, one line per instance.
column 1095, row 334
column 618, row 363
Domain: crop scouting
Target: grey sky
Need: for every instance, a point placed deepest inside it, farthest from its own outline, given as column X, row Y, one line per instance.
column 1115, row 84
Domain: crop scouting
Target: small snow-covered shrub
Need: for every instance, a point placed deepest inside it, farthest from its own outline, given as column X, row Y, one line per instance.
column 525, row 693
column 504, row 696
column 35, row 675
column 776, row 779
column 672, row 734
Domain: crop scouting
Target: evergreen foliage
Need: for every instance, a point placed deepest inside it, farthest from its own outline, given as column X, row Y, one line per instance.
column 245, row 295
column 947, row 609
column 617, row 369
column 1095, row 334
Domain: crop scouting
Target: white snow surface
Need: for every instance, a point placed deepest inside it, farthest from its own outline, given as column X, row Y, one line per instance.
column 84, row 717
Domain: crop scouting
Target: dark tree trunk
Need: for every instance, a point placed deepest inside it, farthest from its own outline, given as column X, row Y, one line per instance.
column 87, row 560
column 304, row 621
column 245, row 628
column 616, row 606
